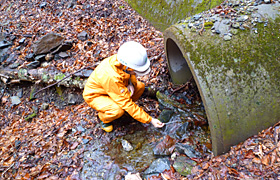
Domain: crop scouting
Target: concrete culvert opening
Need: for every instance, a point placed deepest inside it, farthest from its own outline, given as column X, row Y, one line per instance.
column 239, row 90
column 178, row 66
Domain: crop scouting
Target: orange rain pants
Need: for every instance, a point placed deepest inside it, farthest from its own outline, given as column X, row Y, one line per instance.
column 106, row 92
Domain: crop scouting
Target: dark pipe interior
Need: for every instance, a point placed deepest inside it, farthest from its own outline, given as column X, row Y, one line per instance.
column 178, row 66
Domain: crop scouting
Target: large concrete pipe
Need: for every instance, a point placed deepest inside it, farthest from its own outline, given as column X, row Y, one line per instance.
column 235, row 64
column 163, row 13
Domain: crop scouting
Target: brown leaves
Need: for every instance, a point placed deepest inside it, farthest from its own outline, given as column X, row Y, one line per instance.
column 257, row 156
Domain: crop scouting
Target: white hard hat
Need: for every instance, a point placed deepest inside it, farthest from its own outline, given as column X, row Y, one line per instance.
column 134, row 56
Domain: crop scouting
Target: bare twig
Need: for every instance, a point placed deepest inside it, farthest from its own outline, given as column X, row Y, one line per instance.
column 179, row 88
column 59, row 81
column 7, row 169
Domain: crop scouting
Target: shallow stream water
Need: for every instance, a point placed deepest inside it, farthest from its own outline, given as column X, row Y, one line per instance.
column 186, row 127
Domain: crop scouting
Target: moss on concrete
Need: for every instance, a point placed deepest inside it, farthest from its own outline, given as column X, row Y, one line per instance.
column 163, row 13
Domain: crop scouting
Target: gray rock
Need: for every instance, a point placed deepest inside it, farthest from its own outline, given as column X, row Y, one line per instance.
column 44, row 106
column 33, row 65
column 4, row 44
column 10, row 59
column 187, row 150
column 80, row 128
column 72, row 99
column 22, row 40
column 63, row 55
column 197, row 17
column 40, row 58
column 126, row 145
column 157, row 167
column 19, row 93
column 14, row 65
column 227, row 37
column 83, row 36
column 47, row 43
column 43, row 5
column 84, row 73
column 15, row 100
column 29, row 57
column 183, row 165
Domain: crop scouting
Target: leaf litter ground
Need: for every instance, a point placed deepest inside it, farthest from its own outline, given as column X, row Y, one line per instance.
column 34, row 148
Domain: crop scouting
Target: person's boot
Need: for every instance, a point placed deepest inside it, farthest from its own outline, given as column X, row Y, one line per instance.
column 150, row 92
column 108, row 127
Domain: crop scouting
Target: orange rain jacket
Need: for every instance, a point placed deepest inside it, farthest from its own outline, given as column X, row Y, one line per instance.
column 110, row 80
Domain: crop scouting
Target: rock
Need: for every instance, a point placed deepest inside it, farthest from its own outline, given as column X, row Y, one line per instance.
column 72, row 99
column 47, row 43
column 19, row 93
column 33, row 65
column 85, row 141
column 183, row 165
column 130, row 176
column 157, row 167
column 40, row 58
column 43, row 5
column 83, row 36
column 165, row 146
column 44, row 106
column 10, row 59
column 4, row 44
column 15, row 100
column 84, row 73
column 197, row 17
column 187, row 150
column 22, row 40
column 80, row 128
column 63, row 55
column 227, row 37
column 165, row 115
column 126, row 145
column 14, row 65
column 29, row 57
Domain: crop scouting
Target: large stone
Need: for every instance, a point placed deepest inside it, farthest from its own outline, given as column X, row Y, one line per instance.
column 47, row 43
column 183, row 165
column 157, row 167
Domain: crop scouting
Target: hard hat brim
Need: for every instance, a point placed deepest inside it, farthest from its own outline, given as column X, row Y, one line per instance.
column 143, row 73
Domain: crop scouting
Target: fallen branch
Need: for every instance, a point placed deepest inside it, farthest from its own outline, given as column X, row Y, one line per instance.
column 32, row 97
column 179, row 88
column 7, row 169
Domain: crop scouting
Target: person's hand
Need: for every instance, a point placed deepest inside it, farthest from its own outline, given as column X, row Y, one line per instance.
column 130, row 89
column 157, row 123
